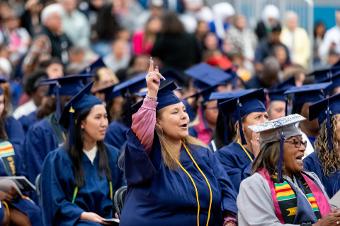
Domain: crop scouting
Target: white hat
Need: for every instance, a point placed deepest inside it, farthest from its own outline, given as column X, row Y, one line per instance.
column 51, row 9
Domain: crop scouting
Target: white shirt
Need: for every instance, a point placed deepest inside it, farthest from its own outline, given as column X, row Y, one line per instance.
column 331, row 36
column 91, row 154
column 24, row 109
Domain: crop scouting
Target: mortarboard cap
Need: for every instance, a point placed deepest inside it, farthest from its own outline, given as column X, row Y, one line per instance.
column 174, row 75
column 107, row 91
column 277, row 93
column 278, row 130
column 206, row 76
column 307, row 94
column 65, row 86
column 92, row 67
column 242, row 103
column 324, row 75
column 79, row 103
column 324, row 110
column 165, row 96
column 130, row 86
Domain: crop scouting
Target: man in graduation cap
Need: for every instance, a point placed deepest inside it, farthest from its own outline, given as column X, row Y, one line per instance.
column 245, row 108
column 46, row 135
column 325, row 161
column 302, row 98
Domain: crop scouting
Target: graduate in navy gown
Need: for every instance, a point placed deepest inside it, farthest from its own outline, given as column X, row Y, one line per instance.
column 46, row 135
column 325, row 161
column 21, row 209
column 245, row 109
column 78, row 180
column 173, row 179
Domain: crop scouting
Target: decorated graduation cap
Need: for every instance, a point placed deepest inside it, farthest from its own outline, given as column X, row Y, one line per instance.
column 278, row 130
column 65, row 86
column 307, row 94
column 324, row 110
column 206, row 76
column 130, row 86
column 242, row 103
column 95, row 65
column 79, row 103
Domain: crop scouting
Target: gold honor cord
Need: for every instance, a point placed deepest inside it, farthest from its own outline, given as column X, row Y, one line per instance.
column 75, row 192
column 245, row 151
column 6, row 207
column 193, row 182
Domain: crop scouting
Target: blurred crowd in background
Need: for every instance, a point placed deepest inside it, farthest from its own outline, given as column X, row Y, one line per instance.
column 57, row 38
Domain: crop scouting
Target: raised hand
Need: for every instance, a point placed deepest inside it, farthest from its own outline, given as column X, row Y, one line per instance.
column 153, row 80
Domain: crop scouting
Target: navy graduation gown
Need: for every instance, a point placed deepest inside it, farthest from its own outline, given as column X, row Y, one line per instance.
column 58, row 185
column 42, row 137
column 28, row 120
column 16, row 137
column 331, row 182
column 159, row 196
column 235, row 162
column 116, row 134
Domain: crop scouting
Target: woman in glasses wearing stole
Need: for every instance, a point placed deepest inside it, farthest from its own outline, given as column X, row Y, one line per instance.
column 279, row 192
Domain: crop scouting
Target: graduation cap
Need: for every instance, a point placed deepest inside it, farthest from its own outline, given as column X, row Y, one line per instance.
column 92, row 67
column 130, row 86
column 65, row 86
column 107, row 91
column 174, row 75
column 325, row 75
column 204, row 93
column 307, row 94
column 324, row 110
column 242, row 103
column 165, row 96
column 78, row 104
column 277, row 92
column 278, row 130
column 206, row 76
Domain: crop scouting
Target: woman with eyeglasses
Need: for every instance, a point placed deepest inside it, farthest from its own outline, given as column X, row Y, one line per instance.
column 279, row 192
column 325, row 161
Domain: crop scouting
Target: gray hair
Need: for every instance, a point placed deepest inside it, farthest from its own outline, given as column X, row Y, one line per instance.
column 51, row 9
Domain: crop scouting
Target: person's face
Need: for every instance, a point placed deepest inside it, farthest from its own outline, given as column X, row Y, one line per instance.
column 120, row 49
column 241, row 22
column 97, row 3
column 54, row 23
column 2, row 104
column 337, row 17
column 211, row 42
column 55, row 70
column 275, row 37
column 39, row 94
column 310, row 125
column 320, row 30
column 141, row 63
column 95, row 124
column 292, row 23
column 154, row 25
column 337, row 127
column 336, row 90
column 174, row 121
column 280, row 55
column 106, row 77
column 253, row 118
column 69, row 5
column 12, row 22
column 276, row 109
column 211, row 112
column 202, row 28
column 294, row 149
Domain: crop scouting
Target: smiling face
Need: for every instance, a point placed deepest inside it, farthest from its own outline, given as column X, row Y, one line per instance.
column 95, row 124
column 174, row 121
column 294, row 149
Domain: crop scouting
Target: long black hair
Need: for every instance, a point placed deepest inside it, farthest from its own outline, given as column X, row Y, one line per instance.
column 75, row 151
column 225, row 131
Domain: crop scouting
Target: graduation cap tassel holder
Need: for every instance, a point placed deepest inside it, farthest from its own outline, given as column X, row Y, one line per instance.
column 239, row 105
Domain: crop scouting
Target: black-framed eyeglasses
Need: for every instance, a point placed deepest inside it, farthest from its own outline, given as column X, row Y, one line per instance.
column 297, row 143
